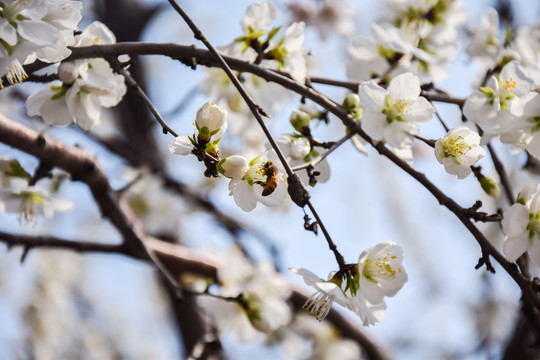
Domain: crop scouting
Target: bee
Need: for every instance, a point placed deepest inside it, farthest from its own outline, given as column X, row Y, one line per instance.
column 272, row 178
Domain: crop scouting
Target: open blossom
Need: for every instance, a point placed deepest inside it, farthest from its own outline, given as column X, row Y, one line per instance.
column 263, row 291
column 374, row 57
column 258, row 180
column 285, row 54
column 458, row 150
column 521, row 224
column 393, row 114
column 359, row 287
column 35, row 29
column 498, row 105
column 29, row 201
column 381, row 271
column 486, row 43
column 524, row 132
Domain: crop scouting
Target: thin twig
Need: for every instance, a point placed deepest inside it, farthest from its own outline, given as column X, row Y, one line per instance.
column 446, row 128
column 499, row 167
column 82, row 167
column 131, row 81
column 187, row 53
column 256, row 110
column 323, row 156
column 30, row 242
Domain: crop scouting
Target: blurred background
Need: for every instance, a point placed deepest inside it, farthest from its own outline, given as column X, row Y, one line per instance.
column 63, row 305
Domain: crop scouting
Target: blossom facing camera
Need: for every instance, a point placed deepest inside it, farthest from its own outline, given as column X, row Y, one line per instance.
column 381, row 271
column 393, row 114
column 211, row 121
column 458, row 150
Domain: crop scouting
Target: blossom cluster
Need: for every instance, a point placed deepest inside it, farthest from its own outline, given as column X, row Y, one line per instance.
column 413, row 36
column 268, row 47
column 85, row 86
column 37, row 29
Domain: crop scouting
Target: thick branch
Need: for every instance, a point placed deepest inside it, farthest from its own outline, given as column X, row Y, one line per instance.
column 180, row 260
column 81, row 165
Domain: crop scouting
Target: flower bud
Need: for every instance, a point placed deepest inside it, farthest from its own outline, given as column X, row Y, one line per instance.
column 299, row 148
column 68, row 71
column 311, row 110
column 490, row 186
column 233, row 167
column 523, row 195
column 300, row 121
column 210, row 120
column 351, row 102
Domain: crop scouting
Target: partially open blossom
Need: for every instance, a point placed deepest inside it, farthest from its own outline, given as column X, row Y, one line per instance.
column 211, row 121
column 233, row 167
column 490, row 186
column 521, row 224
column 209, row 126
column 300, row 121
column 458, row 150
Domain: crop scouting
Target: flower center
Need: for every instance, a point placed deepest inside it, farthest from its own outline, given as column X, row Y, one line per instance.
column 509, row 86
column 380, row 267
column 395, row 110
column 455, row 146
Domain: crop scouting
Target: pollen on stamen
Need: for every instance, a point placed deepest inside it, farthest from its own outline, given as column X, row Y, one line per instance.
column 403, row 105
column 510, row 85
column 455, row 146
column 319, row 305
column 16, row 73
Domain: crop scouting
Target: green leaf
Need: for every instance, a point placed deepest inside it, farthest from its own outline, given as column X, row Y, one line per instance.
column 16, row 170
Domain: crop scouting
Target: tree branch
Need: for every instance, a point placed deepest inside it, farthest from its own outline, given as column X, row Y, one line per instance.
column 82, row 167
column 186, row 55
column 179, row 260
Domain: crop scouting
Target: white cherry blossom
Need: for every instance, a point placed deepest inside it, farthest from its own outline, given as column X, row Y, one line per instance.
column 458, row 150
column 30, row 201
column 381, row 271
column 342, row 289
column 521, row 224
column 485, row 43
column 393, row 114
column 87, row 86
column 258, row 180
column 497, row 106
column 259, row 16
column 263, row 290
